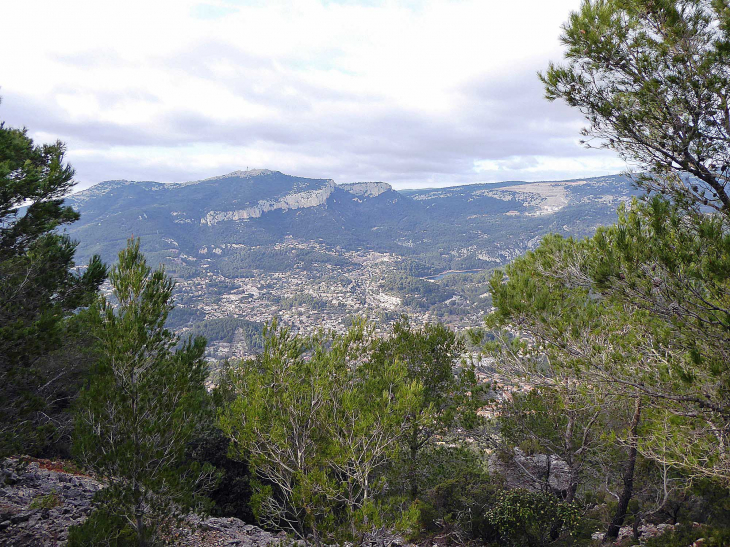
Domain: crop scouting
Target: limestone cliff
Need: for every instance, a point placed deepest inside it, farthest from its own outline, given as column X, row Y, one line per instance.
column 298, row 200
column 367, row 189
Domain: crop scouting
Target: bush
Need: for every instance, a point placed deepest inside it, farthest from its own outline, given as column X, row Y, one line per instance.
column 531, row 519
column 49, row 501
column 102, row 528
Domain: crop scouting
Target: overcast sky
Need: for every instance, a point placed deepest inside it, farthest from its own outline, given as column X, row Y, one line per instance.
column 415, row 93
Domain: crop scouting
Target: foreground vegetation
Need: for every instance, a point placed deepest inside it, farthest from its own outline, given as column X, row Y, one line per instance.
column 612, row 406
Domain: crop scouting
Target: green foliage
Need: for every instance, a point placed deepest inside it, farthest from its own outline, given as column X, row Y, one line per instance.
column 48, row 501
column 102, row 528
column 451, row 394
column 561, row 419
column 651, row 78
column 641, row 309
column 39, row 291
column 531, row 518
column 459, row 493
column 145, row 399
column 318, row 421
column 641, row 305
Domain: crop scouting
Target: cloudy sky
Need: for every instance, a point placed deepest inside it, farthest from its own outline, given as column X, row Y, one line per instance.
column 415, row 93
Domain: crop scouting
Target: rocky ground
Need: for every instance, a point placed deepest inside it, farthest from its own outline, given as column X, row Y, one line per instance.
column 41, row 499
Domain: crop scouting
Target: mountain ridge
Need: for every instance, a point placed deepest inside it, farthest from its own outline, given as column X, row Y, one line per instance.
column 315, row 253
column 261, row 206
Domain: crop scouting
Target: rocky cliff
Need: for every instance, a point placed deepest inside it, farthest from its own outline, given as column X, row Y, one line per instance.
column 299, row 200
column 367, row 189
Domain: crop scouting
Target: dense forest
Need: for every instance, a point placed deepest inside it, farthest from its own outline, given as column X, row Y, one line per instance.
column 604, row 410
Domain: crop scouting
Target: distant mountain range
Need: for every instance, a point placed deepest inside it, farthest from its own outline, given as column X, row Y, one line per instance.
column 464, row 227
column 253, row 245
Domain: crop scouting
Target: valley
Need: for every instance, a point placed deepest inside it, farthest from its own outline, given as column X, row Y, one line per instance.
column 252, row 246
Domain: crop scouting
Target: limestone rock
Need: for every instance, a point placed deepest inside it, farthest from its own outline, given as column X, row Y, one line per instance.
column 530, row 472
column 308, row 198
column 41, row 499
column 367, row 189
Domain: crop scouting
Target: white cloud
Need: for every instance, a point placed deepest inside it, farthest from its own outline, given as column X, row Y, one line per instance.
column 408, row 92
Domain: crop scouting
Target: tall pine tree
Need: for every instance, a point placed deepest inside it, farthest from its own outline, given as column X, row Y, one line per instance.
column 39, row 336
column 145, row 400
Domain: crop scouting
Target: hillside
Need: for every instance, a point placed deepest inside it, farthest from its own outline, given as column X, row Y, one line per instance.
column 449, row 228
column 252, row 245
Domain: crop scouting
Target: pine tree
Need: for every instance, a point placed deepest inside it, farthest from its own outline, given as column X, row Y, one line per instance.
column 642, row 308
column 39, row 292
column 145, row 400
column 451, row 396
column 651, row 78
column 319, row 422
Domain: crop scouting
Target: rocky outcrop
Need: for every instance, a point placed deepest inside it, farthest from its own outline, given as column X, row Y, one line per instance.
column 531, row 472
column 41, row 499
column 367, row 189
column 226, row 531
column 645, row 532
column 298, row 200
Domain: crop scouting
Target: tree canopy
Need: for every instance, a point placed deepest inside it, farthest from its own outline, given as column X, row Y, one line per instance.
column 652, row 79
column 39, row 292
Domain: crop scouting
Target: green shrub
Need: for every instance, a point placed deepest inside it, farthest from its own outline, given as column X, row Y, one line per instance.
column 102, row 528
column 49, row 501
column 532, row 519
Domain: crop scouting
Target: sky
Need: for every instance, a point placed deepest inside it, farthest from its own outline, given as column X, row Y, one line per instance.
column 414, row 93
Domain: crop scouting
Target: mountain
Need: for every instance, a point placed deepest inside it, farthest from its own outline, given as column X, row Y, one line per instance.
column 251, row 245
column 449, row 228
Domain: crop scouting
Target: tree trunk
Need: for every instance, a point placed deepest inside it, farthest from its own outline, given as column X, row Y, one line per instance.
column 572, row 489
column 628, row 477
column 137, row 490
column 569, row 459
column 413, row 464
column 141, row 539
